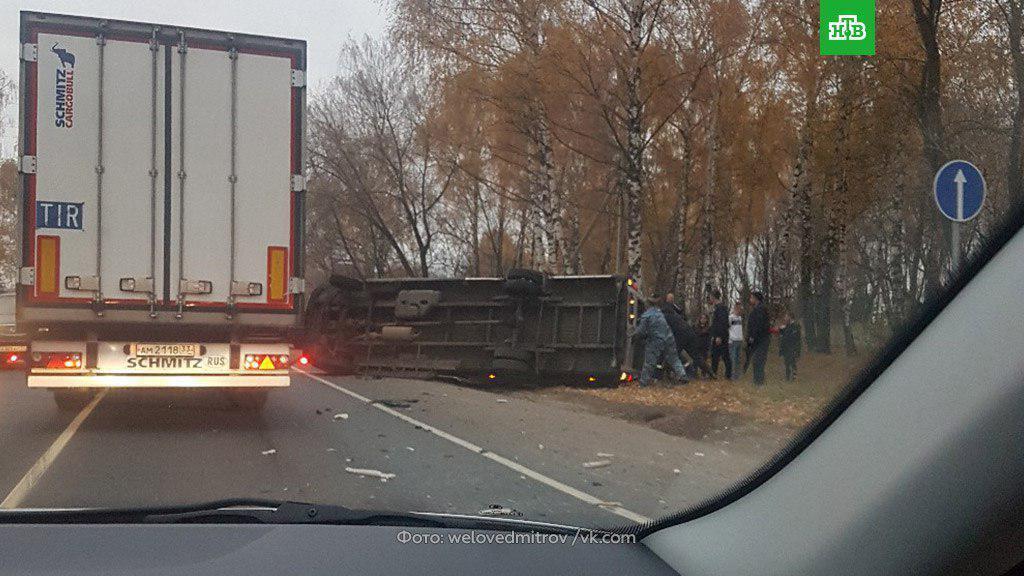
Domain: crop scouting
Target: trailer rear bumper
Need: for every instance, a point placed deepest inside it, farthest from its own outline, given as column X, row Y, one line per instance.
column 156, row 381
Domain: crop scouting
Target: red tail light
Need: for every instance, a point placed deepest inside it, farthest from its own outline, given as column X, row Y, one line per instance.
column 265, row 361
column 304, row 360
column 12, row 356
column 57, row 360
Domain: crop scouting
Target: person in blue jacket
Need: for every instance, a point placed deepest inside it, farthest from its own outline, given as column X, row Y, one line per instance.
column 659, row 344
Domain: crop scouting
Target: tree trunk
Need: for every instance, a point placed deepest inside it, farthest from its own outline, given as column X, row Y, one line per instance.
column 705, row 274
column 548, row 197
column 1014, row 177
column 679, row 218
column 929, row 112
column 474, row 229
column 798, row 220
column 573, row 253
column 633, row 173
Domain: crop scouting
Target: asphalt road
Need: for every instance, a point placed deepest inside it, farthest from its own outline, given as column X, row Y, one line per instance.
column 450, row 449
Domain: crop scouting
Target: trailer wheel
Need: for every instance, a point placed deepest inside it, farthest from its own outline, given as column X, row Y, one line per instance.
column 71, row 400
column 248, row 399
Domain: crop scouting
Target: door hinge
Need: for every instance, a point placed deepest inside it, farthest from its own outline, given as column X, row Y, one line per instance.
column 298, row 183
column 27, row 275
column 28, row 165
column 82, row 283
column 296, row 285
column 298, row 79
column 30, row 52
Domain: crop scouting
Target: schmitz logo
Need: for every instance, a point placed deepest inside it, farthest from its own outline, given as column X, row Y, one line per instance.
column 64, row 92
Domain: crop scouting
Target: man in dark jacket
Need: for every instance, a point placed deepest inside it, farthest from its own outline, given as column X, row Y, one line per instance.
column 758, row 336
column 719, row 335
column 681, row 329
column 789, row 344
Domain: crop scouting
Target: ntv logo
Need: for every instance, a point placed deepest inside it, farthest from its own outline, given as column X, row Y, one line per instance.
column 847, row 27
column 64, row 88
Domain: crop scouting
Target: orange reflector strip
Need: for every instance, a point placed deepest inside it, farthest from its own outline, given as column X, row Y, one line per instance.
column 277, row 274
column 48, row 266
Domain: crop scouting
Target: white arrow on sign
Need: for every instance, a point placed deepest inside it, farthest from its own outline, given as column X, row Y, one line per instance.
column 960, row 180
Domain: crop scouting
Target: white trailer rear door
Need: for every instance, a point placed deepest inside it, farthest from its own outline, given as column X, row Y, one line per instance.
column 203, row 242
column 167, row 165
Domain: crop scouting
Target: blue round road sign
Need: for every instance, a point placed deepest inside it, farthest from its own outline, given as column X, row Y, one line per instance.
column 959, row 190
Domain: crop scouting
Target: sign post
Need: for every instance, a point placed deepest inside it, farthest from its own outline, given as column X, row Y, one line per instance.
column 959, row 190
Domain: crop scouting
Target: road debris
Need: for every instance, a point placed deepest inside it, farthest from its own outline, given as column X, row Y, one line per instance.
column 341, row 416
column 605, row 455
column 597, row 464
column 499, row 510
column 383, row 476
column 332, row 449
column 410, row 448
column 269, row 452
column 677, row 471
column 404, row 404
column 698, row 453
column 502, row 400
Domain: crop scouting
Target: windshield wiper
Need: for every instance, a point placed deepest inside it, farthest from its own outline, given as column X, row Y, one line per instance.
column 257, row 511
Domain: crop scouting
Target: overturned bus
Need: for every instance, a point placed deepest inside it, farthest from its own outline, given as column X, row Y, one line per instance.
column 525, row 328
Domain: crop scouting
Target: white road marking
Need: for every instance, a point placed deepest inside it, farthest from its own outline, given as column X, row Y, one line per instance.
column 528, row 472
column 31, row 478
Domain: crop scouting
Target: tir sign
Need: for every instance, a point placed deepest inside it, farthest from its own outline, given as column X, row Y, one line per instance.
column 59, row 215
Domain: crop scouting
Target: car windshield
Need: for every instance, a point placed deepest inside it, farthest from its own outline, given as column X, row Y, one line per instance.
column 587, row 262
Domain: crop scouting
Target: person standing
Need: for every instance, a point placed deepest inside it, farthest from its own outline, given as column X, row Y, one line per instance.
column 701, row 346
column 758, row 336
column 670, row 302
column 681, row 330
column 736, row 339
column 659, row 344
column 789, row 344
column 719, row 335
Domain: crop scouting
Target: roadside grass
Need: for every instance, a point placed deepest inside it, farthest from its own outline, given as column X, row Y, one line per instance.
column 790, row 404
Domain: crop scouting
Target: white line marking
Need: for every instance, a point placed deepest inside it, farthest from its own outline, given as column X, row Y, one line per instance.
column 29, row 480
column 530, row 473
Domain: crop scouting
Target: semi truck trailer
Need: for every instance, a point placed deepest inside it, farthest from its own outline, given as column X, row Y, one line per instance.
column 162, row 206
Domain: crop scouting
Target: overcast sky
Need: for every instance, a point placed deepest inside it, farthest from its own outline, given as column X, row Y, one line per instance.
column 324, row 24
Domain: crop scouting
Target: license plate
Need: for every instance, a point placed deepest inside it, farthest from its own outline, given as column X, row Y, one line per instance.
column 164, row 350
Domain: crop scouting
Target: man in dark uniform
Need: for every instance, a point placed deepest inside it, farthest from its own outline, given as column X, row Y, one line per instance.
column 758, row 336
column 720, row 335
column 681, row 329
